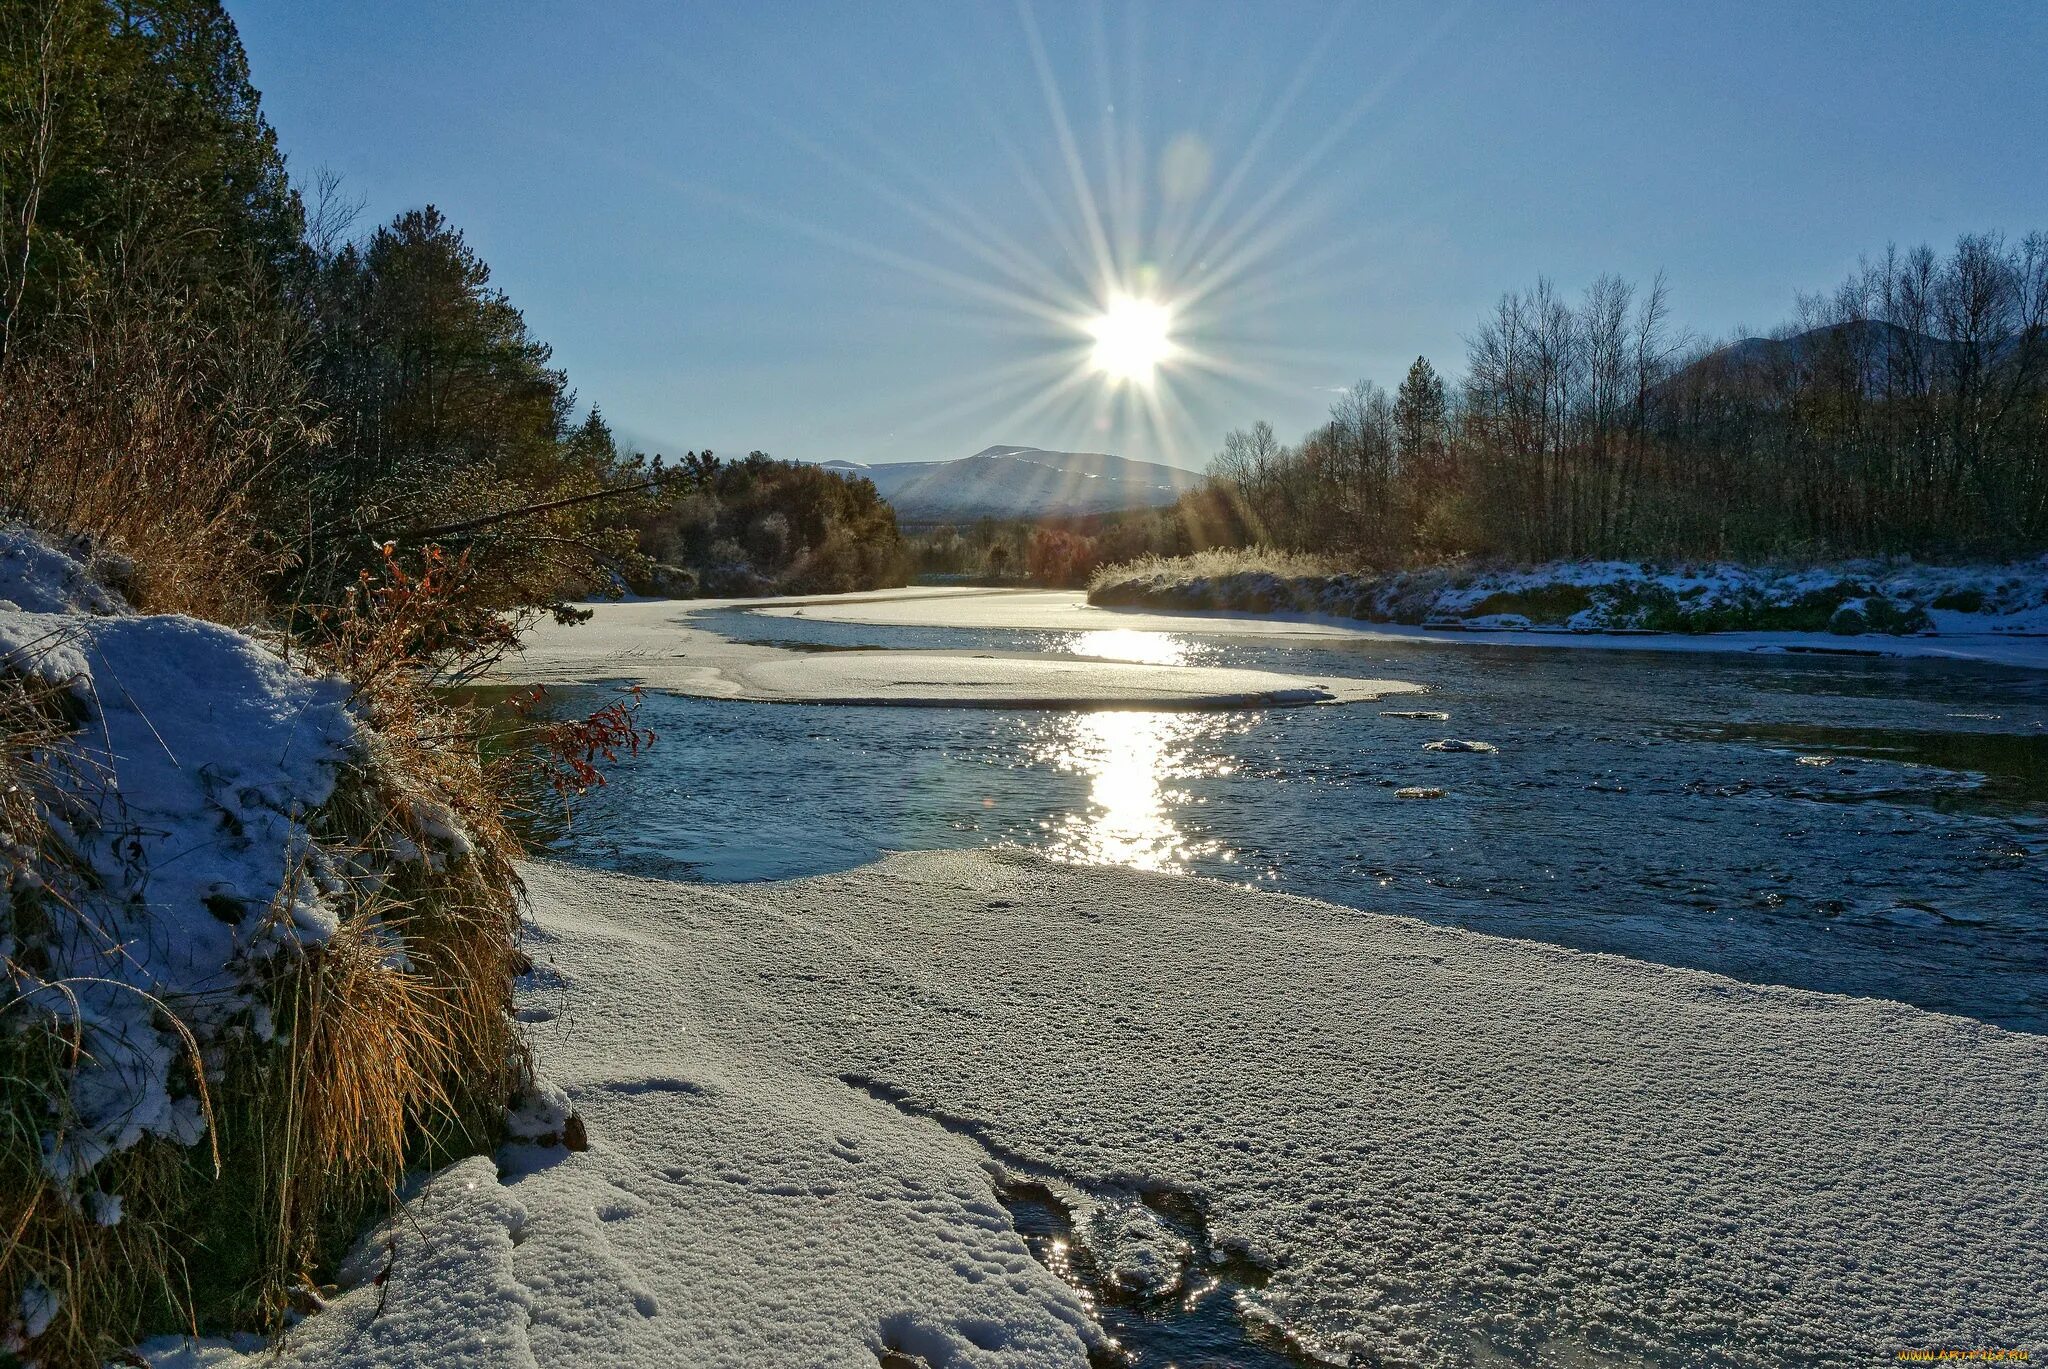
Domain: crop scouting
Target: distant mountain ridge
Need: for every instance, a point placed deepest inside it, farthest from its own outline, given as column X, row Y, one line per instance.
column 1021, row 482
column 1874, row 347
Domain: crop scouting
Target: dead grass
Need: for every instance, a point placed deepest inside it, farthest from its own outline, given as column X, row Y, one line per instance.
column 145, row 431
column 100, row 1274
column 1214, row 564
column 395, row 1048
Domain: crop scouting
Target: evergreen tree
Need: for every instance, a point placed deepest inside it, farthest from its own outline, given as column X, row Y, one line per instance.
column 428, row 371
column 135, row 158
column 1421, row 420
column 445, row 416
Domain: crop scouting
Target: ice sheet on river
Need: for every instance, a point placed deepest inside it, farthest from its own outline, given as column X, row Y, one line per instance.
column 1446, row 1145
column 654, row 643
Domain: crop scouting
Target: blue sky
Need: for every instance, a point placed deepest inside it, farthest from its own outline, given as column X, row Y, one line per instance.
column 856, row 230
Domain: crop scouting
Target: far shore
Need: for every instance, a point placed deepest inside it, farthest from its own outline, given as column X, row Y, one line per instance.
column 655, row 642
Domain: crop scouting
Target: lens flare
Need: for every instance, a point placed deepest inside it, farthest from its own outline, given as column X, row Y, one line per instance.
column 1131, row 312
column 1132, row 338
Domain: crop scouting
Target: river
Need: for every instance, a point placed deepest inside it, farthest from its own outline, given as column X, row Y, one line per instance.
column 1862, row 826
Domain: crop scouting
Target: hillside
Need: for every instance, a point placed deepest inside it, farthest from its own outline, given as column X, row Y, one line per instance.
column 1882, row 353
column 1021, row 482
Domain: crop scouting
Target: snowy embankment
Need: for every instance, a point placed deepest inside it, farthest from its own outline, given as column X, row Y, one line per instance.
column 1982, row 612
column 1443, row 1146
column 168, row 870
column 191, row 757
column 655, row 643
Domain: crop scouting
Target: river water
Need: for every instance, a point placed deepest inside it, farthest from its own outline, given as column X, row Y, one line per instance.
column 1853, row 825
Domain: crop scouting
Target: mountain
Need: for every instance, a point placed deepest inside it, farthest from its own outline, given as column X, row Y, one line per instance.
column 1878, row 352
column 1021, row 482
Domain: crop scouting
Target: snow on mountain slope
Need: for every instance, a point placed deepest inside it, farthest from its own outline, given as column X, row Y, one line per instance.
column 1021, row 482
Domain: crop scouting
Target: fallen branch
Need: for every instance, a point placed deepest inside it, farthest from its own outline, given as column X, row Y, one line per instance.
column 492, row 519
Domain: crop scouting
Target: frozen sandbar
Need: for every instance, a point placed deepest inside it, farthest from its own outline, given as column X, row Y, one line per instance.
column 1029, row 610
column 1450, row 1148
column 656, row 643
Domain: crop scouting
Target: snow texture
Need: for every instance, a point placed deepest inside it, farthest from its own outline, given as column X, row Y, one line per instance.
column 183, row 796
column 36, row 577
column 1450, row 1148
column 1439, row 1138
column 39, row 1307
column 655, row 643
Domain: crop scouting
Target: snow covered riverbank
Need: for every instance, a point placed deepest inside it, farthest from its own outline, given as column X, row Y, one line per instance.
column 1444, row 1146
column 254, row 943
column 1996, row 613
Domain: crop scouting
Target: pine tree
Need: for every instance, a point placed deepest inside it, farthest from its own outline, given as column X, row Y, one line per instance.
column 1422, row 423
column 134, row 157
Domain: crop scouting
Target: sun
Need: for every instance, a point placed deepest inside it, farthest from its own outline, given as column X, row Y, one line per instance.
column 1132, row 337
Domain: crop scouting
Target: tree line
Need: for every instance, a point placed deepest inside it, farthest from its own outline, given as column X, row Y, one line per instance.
column 1903, row 413
column 761, row 526
column 208, row 367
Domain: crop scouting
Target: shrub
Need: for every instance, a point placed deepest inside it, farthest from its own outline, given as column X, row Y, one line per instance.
column 369, row 1041
column 1058, row 557
column 1539, row 604
column 143, row 426
column 1109, row 582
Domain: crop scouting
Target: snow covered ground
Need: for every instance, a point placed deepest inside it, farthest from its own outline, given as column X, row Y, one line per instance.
column 1023, row 610
column 1446, row 1147
column 656, row 643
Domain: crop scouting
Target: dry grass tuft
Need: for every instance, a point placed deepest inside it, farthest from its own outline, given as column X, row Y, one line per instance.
column 144, row 431
column 400, row 1047
column 97, row 1273
column 394, row 1048
column 1213, row 564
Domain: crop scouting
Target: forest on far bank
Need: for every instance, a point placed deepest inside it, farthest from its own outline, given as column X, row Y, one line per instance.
column 1904, row 413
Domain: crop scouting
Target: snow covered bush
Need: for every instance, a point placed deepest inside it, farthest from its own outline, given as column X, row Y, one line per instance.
column 256, row 952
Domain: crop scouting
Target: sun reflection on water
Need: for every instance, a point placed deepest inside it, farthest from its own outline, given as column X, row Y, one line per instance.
column 1136, row 764
column 1127, row 644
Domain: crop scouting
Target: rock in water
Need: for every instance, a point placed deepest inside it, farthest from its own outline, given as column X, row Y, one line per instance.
column 1453, row 744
